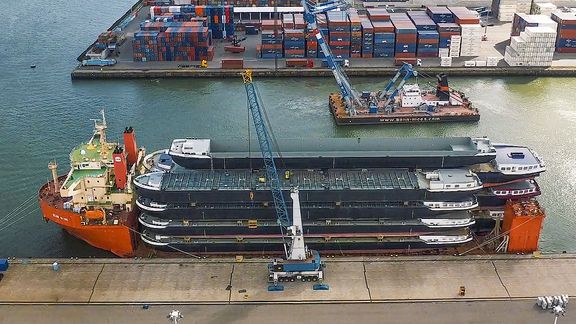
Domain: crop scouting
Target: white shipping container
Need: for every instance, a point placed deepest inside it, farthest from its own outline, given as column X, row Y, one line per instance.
column 492, row 61
column 454, row 53
column 480, row 63
column 444, row 52
column 469, row 63
column 545, row 8
column 446, row 61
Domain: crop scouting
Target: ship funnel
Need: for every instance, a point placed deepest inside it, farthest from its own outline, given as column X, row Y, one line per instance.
column 130, row 145
column 53, row 166
column 120, row 168
column 442, row 89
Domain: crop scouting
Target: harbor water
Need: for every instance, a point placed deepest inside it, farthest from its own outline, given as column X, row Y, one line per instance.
column 44, row 114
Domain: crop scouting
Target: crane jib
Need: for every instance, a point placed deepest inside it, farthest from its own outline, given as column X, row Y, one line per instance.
column 266, row 149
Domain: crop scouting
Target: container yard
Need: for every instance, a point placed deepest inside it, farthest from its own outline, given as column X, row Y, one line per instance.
column 191, row 38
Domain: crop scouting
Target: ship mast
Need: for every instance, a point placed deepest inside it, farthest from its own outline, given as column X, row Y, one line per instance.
column 53, row 166
column 101, row 130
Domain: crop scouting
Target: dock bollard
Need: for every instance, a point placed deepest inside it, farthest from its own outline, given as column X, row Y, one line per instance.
column 55, row 266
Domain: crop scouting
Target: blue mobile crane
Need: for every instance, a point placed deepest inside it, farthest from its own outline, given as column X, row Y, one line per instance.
column 299, row 263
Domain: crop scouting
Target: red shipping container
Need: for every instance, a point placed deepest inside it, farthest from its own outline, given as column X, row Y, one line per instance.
column 405, row 55
column 406, row 38
column 567, row 33
column 271, row 46
column 339, row 43
column 566, row 50
column 232, row 63
column 428, row 41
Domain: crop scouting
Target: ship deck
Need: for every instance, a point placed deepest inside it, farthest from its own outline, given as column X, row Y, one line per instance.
column 79, row 174
column 372, row 179
column 339, row 111
column 113, row 217
column 352, row 147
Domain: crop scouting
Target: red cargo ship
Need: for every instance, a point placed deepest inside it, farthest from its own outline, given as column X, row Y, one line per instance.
column 95, row 200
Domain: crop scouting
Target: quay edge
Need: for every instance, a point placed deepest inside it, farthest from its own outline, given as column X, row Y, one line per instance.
column 94, row 74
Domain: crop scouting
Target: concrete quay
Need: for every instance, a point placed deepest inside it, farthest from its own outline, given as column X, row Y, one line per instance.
column 477, row 312
column 224, row 281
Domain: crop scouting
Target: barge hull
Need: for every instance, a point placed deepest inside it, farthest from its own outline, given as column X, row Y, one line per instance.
column 379, row 119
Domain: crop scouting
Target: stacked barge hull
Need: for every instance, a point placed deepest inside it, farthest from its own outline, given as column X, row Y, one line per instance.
column 353, row 195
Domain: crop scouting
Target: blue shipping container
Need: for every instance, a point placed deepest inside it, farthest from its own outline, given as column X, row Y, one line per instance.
column 3, row 265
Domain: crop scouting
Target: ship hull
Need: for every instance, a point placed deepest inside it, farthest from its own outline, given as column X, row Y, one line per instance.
column 275, row 245
column 410, row 162
column 368, row 119
column 349, row 153
column 318, row 196
column 317, row 212
column 118, row 239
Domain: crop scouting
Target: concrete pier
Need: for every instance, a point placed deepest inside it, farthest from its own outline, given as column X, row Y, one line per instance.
column 223, row 281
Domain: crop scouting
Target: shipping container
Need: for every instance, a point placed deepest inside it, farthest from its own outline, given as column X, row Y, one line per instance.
column 464, row 16
column 521, row 21
column 406, row 36
column 566, row 32
column 440, row 14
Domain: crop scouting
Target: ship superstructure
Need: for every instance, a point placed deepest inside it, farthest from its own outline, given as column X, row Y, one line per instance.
column 95, row 200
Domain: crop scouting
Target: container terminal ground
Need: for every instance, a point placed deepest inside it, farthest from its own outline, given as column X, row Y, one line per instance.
column 225, row 281
column 498, row 289
column 498, row 37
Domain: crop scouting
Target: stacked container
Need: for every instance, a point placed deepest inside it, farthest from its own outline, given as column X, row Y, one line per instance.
column 322, row 23
column 523, row 6
column 368, row 38
column 534, row 47
column 294, row 43
column 271, row 44
column 545, row 9
column 384, row 38
column 288, row 21
column 299, row 22
column 566, row 40
column 428, row 37
column 339, row 34
column 406, row 36
column 219, row 19
column 521, row 21
column 445, row 32
column 311, row 44
column 440, row 14
column 463, row 15
column 145, row 46
column 504, row 9
column 162, row 26
column 355, row 34
column 470, row 30
column 185, row 44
